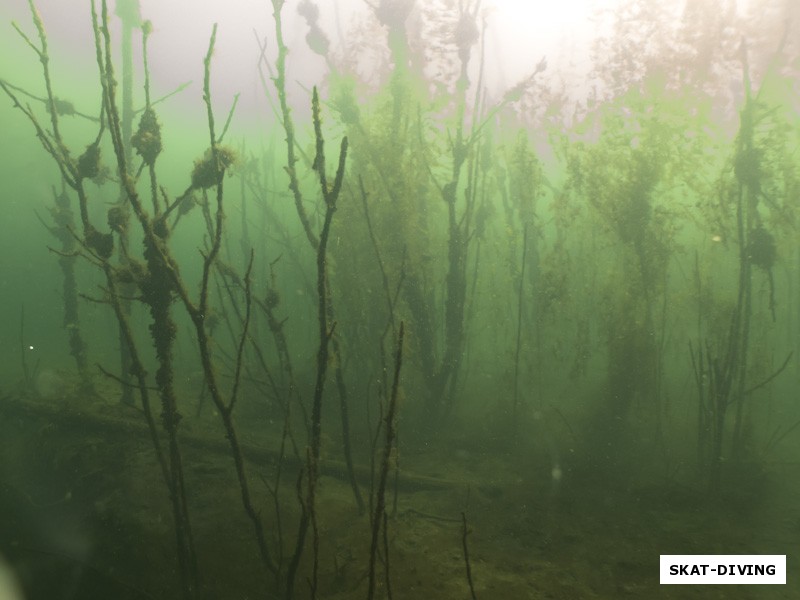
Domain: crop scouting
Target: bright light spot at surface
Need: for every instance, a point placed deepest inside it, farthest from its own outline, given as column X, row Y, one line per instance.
column 520, row 33
column 528, row 18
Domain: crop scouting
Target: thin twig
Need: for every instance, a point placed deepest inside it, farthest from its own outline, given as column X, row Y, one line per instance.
column 464, row 534
column 380, row 496
column 771, row 377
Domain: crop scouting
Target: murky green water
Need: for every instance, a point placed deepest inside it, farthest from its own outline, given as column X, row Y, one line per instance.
column 341, row 314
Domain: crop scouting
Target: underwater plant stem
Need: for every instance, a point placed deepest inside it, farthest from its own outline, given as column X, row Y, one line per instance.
column 729, row 379
column 198, row 313
column 207, row 87
column 322, row 287
column 288, row 125
column 520, row 305
column 172, row 478
column 158, row 297
column 384, row 277
column 386, row 560
column 225, row 410
column 229, row 117
column 700, row 376
column 344, row 416
column 248, row 294
column 746, row 206
column 391, row 301
column 455, row 286
column 771, row 377
column 285, row 363
column 52, row 142
column 465, row 547
column 164, row 280
column 344, row 411
column 457, row 250
column 64, row 224
column 127, row 84
column 379, row 514
column 44, row 58
column 330, row 195
column 126, row 391
column 54, row 145
column 216, row 232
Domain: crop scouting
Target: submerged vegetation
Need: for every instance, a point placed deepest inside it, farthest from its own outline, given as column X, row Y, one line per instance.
column 576, row 293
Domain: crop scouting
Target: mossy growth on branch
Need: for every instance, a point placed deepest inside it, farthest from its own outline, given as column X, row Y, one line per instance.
column 147, row 139
column 208, row 171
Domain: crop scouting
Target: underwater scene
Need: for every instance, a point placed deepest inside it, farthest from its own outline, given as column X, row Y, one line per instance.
column 449, row 299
